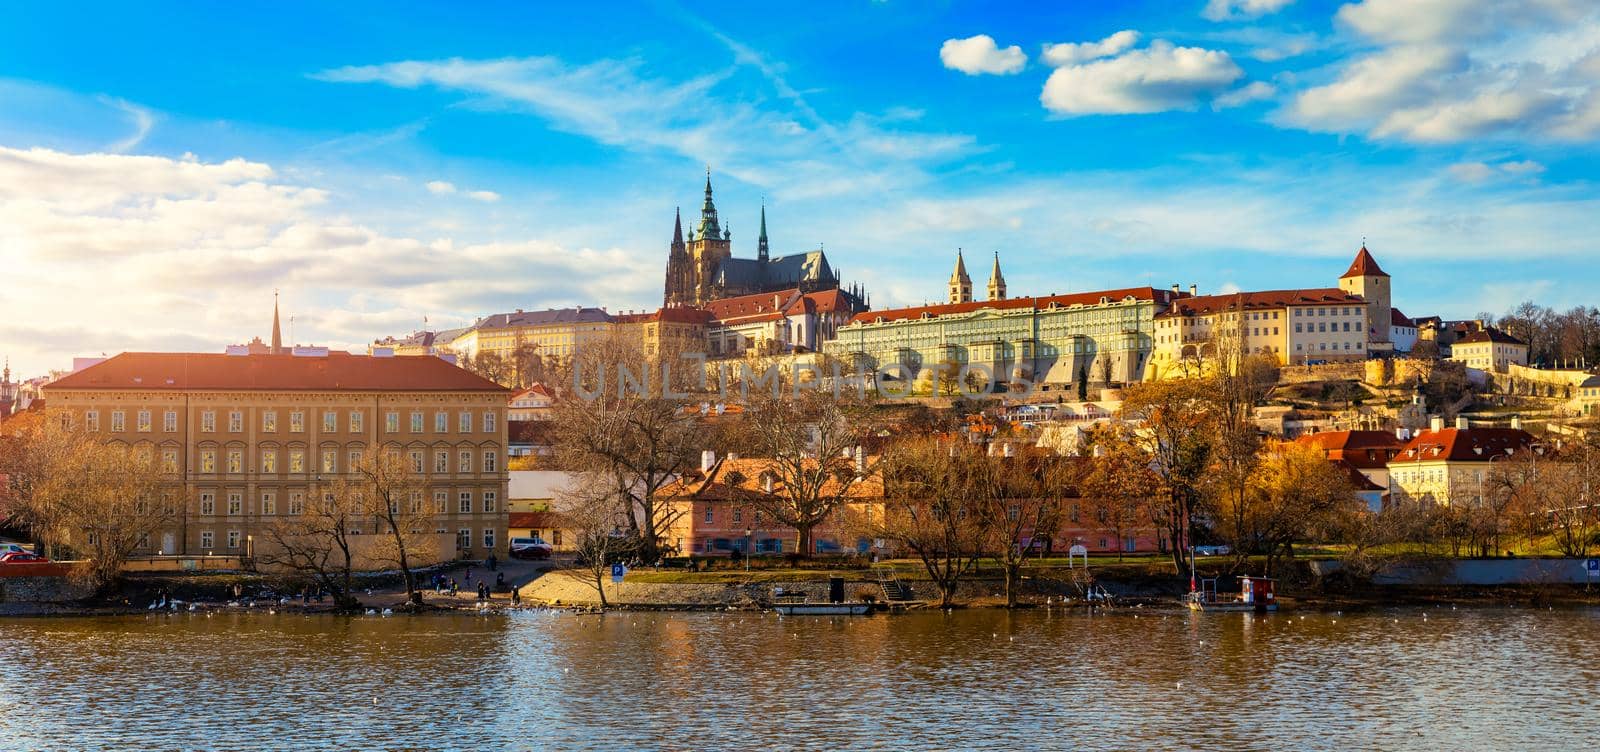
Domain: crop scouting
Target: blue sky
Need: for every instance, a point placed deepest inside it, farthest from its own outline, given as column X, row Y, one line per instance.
column 163, row 169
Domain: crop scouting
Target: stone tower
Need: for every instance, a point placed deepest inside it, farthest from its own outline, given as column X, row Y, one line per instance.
column 997, row 282
column 960, row 283
column 679, row 290
column 709, row 245
column 1367, row 279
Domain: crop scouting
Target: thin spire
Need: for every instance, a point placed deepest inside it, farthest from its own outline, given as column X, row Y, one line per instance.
column 677, row 226
column 277, row 332
column 761, row 242
column 709, row 228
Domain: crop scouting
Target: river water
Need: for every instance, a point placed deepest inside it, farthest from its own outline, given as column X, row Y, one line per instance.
column 1415, row 678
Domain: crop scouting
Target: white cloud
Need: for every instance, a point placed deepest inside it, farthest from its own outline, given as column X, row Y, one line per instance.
column 1478, row 172
column 1227, row 10
column 141, row 118
column 184, row 254
column 485, row 196
column 1254, row 91
column 1071, row 53
column 976, row 55
column 790, row 152
column 1154, row 79
column 1455, row 70
column 440, row 187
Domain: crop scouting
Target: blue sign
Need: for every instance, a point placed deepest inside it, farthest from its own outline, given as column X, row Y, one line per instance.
column 1593, row 565
column 617, row 570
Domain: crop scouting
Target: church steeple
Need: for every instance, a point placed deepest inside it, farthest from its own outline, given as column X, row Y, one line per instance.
column 277, row 332
column 960, row 283
column 997, row 282
column 761, row 243
column 709, row 228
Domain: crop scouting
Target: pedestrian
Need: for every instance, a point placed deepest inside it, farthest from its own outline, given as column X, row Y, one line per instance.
column 500, row 581
column 454, row 588
column 516, row 597
column 483, row 591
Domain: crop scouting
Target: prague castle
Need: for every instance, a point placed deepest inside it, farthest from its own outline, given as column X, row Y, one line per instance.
column 702, row 267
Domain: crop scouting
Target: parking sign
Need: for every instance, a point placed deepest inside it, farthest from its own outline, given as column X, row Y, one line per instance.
column 1593, row 565
column 617, row 571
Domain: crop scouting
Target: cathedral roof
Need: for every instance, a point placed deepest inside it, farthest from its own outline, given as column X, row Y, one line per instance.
column 740, row 273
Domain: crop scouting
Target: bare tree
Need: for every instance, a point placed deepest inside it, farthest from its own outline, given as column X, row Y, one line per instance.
column 391, row 490
column 1120, row 481
column 812, row 444
column 1021, row 499
column 590, row 509
column 317, row 541
column 1177, row 431
column 929, row 508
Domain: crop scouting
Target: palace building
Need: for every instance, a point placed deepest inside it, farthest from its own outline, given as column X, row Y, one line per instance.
column 702, row 268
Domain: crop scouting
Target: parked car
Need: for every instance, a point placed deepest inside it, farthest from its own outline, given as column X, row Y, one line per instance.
column 530, row 548
column 13, row 548
column 21, row 557
column 1212, row 550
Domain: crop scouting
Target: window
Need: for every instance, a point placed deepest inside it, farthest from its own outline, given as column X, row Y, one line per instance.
column 269, row 461
column 208, row 503
column 711, row 515
column 555, row 537
column 119, row 421
column 233, row 539
column 464, row 462
column 91, row 420
column 169, row 460
column 297, row 422
column 208, row 460
column 269, row 421
column 269, row 502
column 207, row 538
column 358, row 421
column 441, row 422
column 235, row 503
column 235, row 460
column 440, row 500
column 491, row 461
column 738, row 516
column 355, row 461
column 416, row 421
column 466, row 503
column 142, row 422
column 236, row 422
column 391, row 422
column 330, row 461
column 464, row 538
column 488, row 538
column 465, row 424
column 416, row 502
column 489, row 499
column 297, row 460
column 489, row 422
column 208, row 421
column 441, row 461
column 330, row 421
column 169, row 421
column 416, row 461
column 297, row 502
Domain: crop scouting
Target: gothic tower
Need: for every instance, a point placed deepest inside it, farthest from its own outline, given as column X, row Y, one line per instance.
column 761, row 242
column 997, row 283
column 1366, row 279
column 709, row 245
column 678, row 289
column 960, row 283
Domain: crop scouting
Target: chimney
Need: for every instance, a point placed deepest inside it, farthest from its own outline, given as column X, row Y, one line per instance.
column 1176, row 288
column 861, row 459
column 1436, row 423
column 1461, row 422
column 1194, row 290
column 1516, row 422
column 707, row 459
column 1010, row 450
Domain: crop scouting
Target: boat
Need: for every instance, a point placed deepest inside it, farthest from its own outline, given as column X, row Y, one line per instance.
column 1255, row 594
column 807, row 608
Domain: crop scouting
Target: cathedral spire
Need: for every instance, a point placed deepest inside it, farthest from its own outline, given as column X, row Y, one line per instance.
column 677, row 228
column 709, row 228
column 997, row 282
column 761, row 243
column 960, row 283
column 277, row 332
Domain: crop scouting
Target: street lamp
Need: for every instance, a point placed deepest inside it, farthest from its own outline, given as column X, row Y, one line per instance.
column 749, row 548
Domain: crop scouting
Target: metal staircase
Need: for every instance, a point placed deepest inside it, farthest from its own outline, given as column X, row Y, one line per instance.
column 894, row 591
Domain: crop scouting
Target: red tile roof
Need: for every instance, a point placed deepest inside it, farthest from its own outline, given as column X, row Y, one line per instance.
column 534, row 520
column 1396, row 318
column 1206, row 305
column 334, row 372
column 1358, row 480
column 1369, row 450
column 1364, row 266
column 770, row 306
column 1037, row 303
column 748, row 305
column 1490, row 335
column 1464, row 444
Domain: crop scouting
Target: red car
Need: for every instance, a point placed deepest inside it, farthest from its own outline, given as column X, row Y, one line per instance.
column 21, row 557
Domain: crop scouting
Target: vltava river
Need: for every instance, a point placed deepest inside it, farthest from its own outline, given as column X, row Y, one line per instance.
column 1395, row 679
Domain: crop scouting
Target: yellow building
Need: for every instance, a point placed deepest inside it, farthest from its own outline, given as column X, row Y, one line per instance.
column 1490, row 350
column 251, row 437
column 555, row 333
column 1294, row 326
column 670, row 330
column 1447, row 466
column 1589, row 396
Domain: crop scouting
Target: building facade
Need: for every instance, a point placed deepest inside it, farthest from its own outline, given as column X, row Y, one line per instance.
column 1294, row 326
column 556, row 333
column 1052, row 341
column 1489, row 349
column 1369, row 282
column 787, row 321
column 248, row 438
column 1447, row 466
column 666, row 330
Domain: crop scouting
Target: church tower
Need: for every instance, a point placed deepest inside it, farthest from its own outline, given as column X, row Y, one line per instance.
column 1367, row 279
column 997, row 283
column 709, row 245
column 679, row 291
column 960, row 283
column 277, row 333
column 762, row 252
